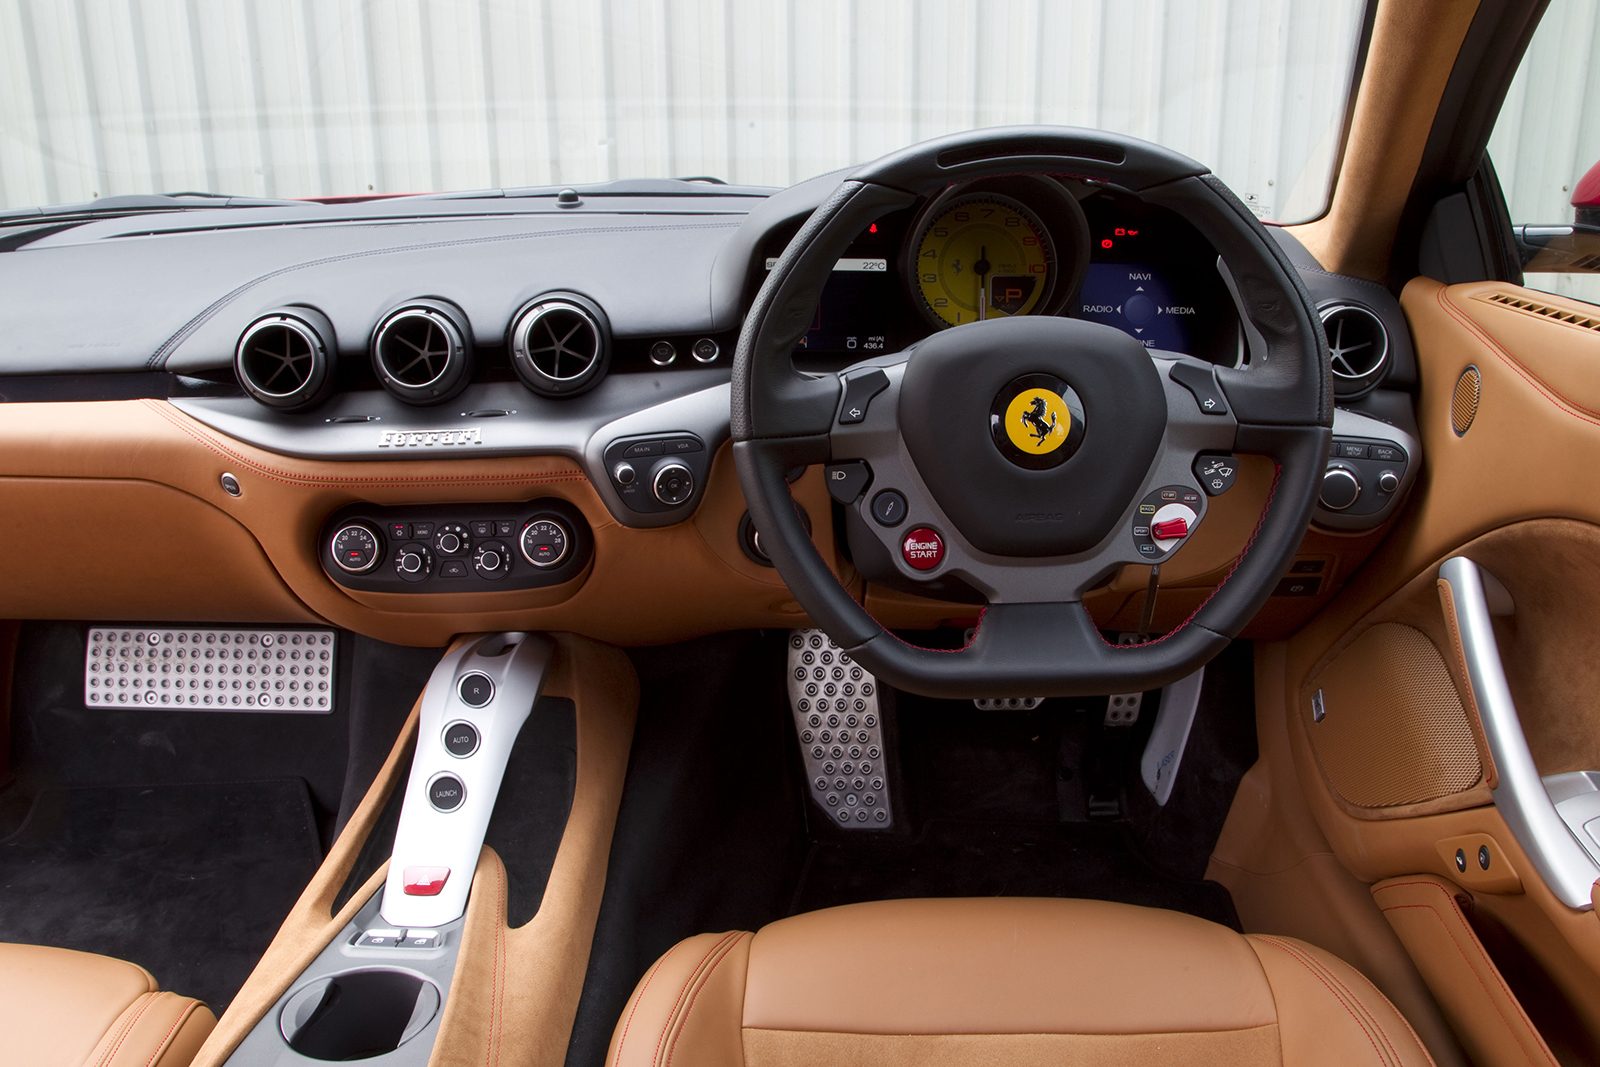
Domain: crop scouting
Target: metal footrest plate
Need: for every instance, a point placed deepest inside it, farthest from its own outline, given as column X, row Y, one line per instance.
column 835, row 705
column 211, row 669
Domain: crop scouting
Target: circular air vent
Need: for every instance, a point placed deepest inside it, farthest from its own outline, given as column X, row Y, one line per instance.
column 560, row 344
column 283, row 358
column 1358, row 345
column 420, row 352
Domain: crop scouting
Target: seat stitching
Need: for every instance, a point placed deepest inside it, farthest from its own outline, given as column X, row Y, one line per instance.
column 162, row 1047
column 673, row 1048
column 634, row 1007
column 684, row 991
column 1495, row 971
column 1317, row 974
column 111, row 1053
column 1358, row 1005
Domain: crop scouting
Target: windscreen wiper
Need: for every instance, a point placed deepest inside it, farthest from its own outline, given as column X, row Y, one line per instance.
column 138, row 204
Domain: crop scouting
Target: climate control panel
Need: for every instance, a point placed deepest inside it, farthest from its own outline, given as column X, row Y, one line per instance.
column 455, row 548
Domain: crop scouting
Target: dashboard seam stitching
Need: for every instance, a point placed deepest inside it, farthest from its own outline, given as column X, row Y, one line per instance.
column 1485, row 338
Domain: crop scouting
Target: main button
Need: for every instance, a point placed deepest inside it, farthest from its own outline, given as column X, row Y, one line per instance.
column 446, row 793
column 475, row 689
column 461, row 739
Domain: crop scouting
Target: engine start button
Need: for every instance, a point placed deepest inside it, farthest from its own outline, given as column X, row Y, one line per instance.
column 923, row 548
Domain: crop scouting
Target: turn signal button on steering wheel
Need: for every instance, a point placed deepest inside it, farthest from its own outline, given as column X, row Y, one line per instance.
column 923, row 548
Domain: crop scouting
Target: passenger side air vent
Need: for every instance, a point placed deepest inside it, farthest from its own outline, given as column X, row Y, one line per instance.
column 284, row 358
column 1588, row 322
column 560, row 344
column 421, row 352
column 1358, row 345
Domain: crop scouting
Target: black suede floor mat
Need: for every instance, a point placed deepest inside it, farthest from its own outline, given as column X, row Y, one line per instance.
column 189, row 881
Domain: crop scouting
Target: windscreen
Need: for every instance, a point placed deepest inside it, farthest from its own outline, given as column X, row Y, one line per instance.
column 341, row 98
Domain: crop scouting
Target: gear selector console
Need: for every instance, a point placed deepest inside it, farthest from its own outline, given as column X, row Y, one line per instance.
column 472, row 710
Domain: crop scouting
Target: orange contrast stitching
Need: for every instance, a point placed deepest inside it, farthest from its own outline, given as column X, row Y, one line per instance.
column 1486, row 339
column 698, row 989
column 498, row 986
column 1318, row 974
column 1454, row 940
column 685, row 989
column 128, row 1029
column 182, row 1015
column 634, row 1007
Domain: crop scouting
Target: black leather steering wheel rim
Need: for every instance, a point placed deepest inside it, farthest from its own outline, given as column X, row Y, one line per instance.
column 1282, row 403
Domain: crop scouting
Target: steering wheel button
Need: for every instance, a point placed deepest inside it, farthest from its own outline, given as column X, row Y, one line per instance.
column 859, row 389
column 923, row 548
column 846, row 481
column 889, row 508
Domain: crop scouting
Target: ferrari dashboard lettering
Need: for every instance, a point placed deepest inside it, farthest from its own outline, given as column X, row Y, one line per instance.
column 429, row 438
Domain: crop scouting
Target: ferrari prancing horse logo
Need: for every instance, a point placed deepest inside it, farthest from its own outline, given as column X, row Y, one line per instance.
column 1038, row 421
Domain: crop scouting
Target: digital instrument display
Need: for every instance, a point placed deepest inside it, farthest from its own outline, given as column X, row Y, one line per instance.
column 850, row 316
column 1138, row 300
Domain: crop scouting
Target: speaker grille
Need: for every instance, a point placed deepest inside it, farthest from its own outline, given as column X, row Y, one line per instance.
column 1464, row 405
column 1394, row 731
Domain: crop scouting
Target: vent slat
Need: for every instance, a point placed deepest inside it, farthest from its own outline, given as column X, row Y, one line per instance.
column 1587, row 322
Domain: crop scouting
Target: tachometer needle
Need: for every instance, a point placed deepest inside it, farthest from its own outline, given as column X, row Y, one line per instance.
column 982, row 269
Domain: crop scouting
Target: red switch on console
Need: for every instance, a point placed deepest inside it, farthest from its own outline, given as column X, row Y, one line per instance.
column 425, row 881
column 1172, row 528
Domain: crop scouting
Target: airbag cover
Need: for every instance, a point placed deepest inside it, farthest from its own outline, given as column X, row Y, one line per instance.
column 952, row 382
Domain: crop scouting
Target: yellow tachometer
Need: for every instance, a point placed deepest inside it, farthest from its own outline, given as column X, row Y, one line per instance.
column 984, row 256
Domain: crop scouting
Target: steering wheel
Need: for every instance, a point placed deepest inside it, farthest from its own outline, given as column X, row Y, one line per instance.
column 1034, row 455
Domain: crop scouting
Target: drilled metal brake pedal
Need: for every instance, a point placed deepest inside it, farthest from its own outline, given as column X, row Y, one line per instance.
column 211, row 669
column 835, row 705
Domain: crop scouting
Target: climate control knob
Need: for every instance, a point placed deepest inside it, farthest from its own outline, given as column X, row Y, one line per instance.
column 1341, row 487
column 545, row 542
column 413, row 562
column 492, row 560
column 674, row 483
column 355, row 548
column 452, row 540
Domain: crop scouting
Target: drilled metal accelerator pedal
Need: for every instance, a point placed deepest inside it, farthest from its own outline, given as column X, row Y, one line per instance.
column 835, row 705
column 211, row 669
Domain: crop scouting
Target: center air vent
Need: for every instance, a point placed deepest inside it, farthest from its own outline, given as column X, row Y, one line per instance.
column 283, row 358
column 1358, row 345
column 421, row 352
column 560, row 344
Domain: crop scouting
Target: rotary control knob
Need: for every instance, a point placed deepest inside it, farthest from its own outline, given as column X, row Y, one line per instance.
column 355, row 548
column 451, row 540
column 492, row 560
column 545, row 542
column 1341, row 487
column 624, row 473
column 673, row 484
column 413, row 562
column 1388, row 481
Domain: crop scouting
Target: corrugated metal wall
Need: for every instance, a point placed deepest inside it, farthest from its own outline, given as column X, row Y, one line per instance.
column 333, row 97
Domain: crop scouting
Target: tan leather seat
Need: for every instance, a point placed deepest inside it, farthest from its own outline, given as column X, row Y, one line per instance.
column 60, row 1008
column 1005, row 981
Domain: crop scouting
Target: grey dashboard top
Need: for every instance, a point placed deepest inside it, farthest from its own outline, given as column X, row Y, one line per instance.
column 172, row 291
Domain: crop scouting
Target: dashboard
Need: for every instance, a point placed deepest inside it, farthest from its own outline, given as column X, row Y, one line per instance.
column 423, row 416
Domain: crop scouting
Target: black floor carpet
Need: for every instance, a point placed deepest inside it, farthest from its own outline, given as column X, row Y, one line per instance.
column 988, row 859
column 190, row 881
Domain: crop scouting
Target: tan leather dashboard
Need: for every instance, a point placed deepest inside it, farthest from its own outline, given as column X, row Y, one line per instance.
column 119, row 514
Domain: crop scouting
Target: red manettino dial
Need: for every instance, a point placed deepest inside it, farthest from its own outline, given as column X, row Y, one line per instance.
column 923, row 548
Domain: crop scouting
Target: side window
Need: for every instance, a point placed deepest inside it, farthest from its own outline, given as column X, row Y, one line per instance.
column 1546, row 151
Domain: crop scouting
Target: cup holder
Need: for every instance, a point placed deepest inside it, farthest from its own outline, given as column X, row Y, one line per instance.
column 358, row 1014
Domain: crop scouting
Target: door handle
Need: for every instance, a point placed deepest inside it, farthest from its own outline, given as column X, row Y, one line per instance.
column 1561, row 857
